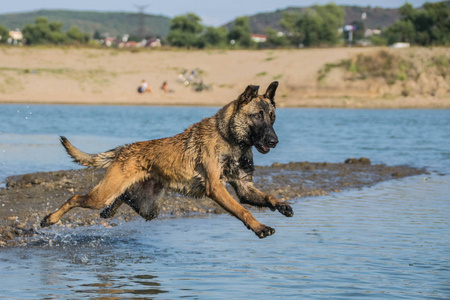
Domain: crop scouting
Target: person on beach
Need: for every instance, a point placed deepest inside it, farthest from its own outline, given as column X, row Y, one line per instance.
column 144, row 87
column 165, row 87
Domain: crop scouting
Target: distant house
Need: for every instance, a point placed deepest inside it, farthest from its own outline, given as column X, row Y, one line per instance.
column 129, row 44
column 153, row 43
column 259, row 38
column 109, row 41
column 371, row 32
column 15, row 37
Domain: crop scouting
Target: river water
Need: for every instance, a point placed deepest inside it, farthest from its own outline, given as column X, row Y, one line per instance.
column 390, row 241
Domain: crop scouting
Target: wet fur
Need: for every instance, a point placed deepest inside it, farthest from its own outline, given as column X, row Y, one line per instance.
column 197, row 162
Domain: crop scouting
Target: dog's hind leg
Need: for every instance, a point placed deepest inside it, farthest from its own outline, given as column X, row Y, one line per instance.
column 112, row 186
column 110, row 211
column 143, row 198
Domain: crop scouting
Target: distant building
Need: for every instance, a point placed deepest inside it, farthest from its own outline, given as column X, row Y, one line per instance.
column 129, row 44
column 370, row 32
column 153, row 43
column 259, row 38
column 109, row 41
column 15, row 37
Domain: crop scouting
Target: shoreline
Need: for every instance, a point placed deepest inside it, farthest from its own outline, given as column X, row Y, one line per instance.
column 310, row 103
column 28, row 198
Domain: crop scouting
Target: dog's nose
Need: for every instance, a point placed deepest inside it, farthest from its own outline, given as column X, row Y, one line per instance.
column 272, row 141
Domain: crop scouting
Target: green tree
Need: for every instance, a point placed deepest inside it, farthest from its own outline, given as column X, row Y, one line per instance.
column 275, row 39
column 400, row 31
column 97, row 35
column 43, row 32
column 309, row 26
column 319, row 25
column 439, row 17
column 289, row 24
column 185, row 31
column 330, row 19
column 214, row 37
column 241, row 33
column 4, row 34
column 75, row 34
column 427, row 26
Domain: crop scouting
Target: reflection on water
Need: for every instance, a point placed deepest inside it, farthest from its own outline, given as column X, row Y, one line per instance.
column 385, row 242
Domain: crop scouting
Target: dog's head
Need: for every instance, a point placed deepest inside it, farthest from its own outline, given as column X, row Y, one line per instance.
column 252, row 123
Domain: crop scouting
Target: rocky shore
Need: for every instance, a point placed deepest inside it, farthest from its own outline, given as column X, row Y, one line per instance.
column 28, row 198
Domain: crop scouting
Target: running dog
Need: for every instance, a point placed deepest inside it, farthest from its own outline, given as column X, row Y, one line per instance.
column 197, row 162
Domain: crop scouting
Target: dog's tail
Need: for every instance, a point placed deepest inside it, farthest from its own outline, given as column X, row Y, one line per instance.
column 100, row 160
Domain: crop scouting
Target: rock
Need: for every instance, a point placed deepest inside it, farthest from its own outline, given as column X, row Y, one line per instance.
column 364, row 161
column 10, row 183
column 351, row 161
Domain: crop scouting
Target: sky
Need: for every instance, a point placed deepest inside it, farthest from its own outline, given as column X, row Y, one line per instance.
column 212, row 12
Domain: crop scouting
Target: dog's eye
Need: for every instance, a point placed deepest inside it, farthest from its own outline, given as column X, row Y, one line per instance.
column 259, row 116
column 272, row 118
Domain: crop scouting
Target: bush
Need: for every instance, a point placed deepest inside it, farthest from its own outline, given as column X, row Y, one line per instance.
column 4, row 34
column 43, row 32
column 381, row 64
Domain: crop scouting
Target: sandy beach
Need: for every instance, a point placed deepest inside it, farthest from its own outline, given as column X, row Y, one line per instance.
column 111, row 76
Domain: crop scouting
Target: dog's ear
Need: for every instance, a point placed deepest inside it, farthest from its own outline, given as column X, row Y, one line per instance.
column 270, row 93
column 250, row 92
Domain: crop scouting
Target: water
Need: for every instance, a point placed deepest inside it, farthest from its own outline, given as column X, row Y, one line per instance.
column 390, row 241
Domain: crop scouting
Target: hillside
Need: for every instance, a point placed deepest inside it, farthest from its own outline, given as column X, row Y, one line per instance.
column 113, row 23
column 376, row 17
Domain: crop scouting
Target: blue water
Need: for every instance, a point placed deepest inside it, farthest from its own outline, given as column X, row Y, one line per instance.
column 390, row 241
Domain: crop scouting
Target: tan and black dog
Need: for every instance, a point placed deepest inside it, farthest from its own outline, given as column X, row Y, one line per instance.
column 197, row 162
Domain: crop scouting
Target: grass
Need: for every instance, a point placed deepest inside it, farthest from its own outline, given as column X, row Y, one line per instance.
column 442, row 64
column 9, row 84
column 37, row 70
column 381, row 64
column 407, row 72
column 323, row 72
column 91, row 78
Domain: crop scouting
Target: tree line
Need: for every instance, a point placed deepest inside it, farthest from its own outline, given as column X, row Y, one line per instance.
column 318, row 26
column 44, row 32
column 429, row 25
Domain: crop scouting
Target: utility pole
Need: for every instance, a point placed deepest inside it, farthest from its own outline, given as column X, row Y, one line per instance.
column 141, row 28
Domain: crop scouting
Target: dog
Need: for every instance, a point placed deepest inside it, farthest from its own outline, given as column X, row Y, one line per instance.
column 197, row 162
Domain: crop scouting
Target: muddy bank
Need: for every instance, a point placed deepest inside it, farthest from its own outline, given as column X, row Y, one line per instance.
column 28, row 198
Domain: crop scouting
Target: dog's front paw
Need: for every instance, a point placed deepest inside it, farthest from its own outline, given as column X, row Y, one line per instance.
column 284, row 209
column 264, row 231
column 46, row 221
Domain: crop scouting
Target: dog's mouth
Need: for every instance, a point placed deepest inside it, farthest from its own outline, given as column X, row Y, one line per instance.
column 262, row 149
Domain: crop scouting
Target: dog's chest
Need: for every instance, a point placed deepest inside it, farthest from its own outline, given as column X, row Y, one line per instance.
column 237, row 167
